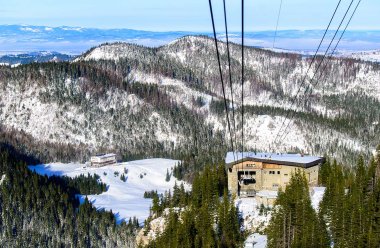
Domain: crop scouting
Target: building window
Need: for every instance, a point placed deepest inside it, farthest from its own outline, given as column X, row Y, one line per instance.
column 252, row 173
column 285, row 174
column 275, row 185
column 272, row 172
column 278, row 172
column 230, row 170
column 249, row 181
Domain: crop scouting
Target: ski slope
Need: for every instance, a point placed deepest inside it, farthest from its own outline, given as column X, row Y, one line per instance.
column 125, row 199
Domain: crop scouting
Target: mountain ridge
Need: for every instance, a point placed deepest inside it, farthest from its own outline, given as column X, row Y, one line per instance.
column 169, row 99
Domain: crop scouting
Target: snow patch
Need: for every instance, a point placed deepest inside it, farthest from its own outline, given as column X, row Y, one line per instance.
column 250, row 213
column 2, row 179
column 316, row 195
column 256, row 240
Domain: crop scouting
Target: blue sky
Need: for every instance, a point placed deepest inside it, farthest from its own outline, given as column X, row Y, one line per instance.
column 179, row 15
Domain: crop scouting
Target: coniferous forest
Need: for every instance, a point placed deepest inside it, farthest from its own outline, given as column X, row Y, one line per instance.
column 348, row 216
column 204, row 217
column 37, row 211
column 41, row 211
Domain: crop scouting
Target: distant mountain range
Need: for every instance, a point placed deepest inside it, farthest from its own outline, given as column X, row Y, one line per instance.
column 16, row 39
column 39, row 57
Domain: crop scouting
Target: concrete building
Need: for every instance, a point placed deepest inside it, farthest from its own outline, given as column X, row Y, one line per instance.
column 262, row 174
column 103, row 160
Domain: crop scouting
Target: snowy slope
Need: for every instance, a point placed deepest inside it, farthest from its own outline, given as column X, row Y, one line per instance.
column 249, row 211
column 125, row 199
column 373, row 56
column 115, row 51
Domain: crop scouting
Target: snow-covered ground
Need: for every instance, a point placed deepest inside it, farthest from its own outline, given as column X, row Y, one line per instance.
column 256, row 241
column 316, row 196
column 250, row 212
column 2, row 179
column 372, row 55
column 125, row 199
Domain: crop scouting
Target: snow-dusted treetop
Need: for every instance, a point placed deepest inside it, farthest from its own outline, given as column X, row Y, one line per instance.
column 282, row 158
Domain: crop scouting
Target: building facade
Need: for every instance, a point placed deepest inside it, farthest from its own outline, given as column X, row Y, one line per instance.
column 103, row 160
column 250, row 173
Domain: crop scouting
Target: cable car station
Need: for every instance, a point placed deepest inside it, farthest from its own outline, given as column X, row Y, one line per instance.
column 251, row 174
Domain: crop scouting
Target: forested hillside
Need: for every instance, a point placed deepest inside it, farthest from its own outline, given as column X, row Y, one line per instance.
column 37, row 211
column 167, row 101
column 348, row 215
column 204, row 217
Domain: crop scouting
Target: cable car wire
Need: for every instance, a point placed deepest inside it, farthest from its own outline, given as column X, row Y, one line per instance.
column 242, row 77
column 304, row 78
column 221, row 74
column 333, row 51
column 278, row 19
column 230, row 74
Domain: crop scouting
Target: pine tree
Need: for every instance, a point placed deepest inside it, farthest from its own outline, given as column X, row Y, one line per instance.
column 294, row 222
column 167, row 178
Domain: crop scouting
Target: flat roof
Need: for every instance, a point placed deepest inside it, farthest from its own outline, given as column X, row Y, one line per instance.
column 105, row 155
column 299, row 160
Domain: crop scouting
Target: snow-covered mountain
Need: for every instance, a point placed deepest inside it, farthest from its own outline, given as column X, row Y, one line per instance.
column 136, row 99
column 38, row 57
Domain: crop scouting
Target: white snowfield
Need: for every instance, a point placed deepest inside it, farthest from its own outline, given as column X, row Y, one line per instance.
column 125, row 199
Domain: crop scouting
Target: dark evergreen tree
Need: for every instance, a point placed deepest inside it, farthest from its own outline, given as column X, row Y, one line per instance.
column 294, row 222
column 167, row 177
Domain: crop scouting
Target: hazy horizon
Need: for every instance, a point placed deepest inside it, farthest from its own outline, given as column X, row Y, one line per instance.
column 189, row 16
column 15, row 39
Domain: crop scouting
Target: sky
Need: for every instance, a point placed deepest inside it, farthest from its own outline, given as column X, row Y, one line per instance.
column 180, row 15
